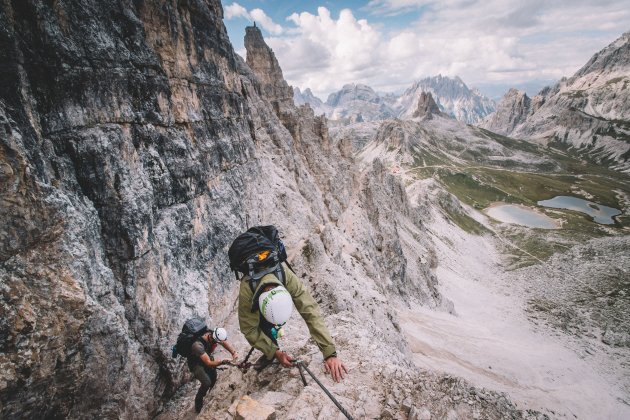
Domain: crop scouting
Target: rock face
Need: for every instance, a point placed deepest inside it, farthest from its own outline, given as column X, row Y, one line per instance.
column 452, row 96
column 134, row 146
column 357, row 99
column 589, row 111
column 307, row 97
column 427, row 107
column 513, row 110
column 122, row 148
column 262, row 60
column 249, row 409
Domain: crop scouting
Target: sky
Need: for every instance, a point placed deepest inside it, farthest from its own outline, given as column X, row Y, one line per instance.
column 387, row 44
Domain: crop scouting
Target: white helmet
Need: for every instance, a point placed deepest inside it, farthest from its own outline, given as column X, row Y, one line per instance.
column 276, row 305
column 219, row 334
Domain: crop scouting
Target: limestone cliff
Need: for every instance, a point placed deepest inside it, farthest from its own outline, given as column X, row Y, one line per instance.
column 134, row 146
column 512, row 111
column 125, row 145
column 587, row 112
column 262, row 60
column 427, row 107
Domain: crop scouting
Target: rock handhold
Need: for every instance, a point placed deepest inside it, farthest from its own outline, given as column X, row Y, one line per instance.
column 421, row 413
column 250, row 409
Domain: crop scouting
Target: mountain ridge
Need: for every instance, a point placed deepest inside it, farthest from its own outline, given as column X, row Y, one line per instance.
column 453, row 97
column 588, row 112
column 122, row 188
column 135, row 145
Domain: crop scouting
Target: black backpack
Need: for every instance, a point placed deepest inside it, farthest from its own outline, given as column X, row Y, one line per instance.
column 258, row 252
column 192, row 331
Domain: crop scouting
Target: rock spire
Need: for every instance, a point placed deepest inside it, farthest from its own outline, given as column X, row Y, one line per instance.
column 262, row 60
column 427, row 107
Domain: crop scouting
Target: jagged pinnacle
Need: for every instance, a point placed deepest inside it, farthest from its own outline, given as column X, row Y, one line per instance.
column 426, row 106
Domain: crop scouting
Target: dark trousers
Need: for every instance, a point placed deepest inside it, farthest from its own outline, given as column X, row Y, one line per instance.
column 208, row 377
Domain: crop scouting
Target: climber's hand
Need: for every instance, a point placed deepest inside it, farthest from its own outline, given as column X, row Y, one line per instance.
column 335, row 367
column 284, row 359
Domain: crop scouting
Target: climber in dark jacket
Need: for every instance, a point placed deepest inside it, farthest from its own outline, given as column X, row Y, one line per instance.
column 202, row 364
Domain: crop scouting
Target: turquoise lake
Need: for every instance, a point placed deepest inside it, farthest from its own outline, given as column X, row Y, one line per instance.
column 510, row 213
column 600, row 214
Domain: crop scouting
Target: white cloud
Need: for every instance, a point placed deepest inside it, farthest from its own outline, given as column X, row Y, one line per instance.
column 323, row 52
column 235, row 10
column 512, row 15
column 483, row 42
column 257, row 15
column 395, row 7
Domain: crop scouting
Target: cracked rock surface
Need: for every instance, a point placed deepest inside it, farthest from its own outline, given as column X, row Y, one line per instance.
column 134, row 146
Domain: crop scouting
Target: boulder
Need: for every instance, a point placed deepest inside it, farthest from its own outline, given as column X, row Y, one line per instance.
column 250, row 409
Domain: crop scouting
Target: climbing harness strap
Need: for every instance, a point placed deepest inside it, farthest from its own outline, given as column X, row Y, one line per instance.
column 301, row 366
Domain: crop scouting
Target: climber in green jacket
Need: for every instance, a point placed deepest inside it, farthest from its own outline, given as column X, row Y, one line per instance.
column 262, row 334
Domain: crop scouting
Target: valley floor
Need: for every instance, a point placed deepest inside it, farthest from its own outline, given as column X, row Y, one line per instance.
column 492, row 342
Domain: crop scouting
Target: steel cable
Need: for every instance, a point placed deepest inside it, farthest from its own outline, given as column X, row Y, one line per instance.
column 301, row 366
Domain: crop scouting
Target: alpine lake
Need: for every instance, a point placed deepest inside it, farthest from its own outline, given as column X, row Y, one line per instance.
column 600, row 214
column 521, row 215
column 527, row 216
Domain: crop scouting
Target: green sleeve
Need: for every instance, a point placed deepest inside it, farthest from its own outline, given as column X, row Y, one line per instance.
column 309, row 309
column 248, row 322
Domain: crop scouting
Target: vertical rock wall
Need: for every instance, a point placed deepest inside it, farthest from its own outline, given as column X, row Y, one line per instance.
column 123, row 145
column 134, row 145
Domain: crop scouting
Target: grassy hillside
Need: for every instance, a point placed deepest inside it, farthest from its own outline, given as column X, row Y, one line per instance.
column 481, row 168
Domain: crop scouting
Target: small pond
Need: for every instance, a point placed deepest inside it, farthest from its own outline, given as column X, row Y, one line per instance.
column 521, row 215
column 601, row 214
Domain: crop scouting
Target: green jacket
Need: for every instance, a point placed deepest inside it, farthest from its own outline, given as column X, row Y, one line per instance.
column 304, row 303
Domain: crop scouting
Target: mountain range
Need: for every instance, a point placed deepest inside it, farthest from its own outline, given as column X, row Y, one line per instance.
column 136, row 144
column 588, row 113
column 360, row 102
column 452, row 96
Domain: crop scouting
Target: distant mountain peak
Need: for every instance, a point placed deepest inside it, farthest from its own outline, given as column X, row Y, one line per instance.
column 452, row 96
column 307, row 97
column 427, row 107
column 587, row 111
